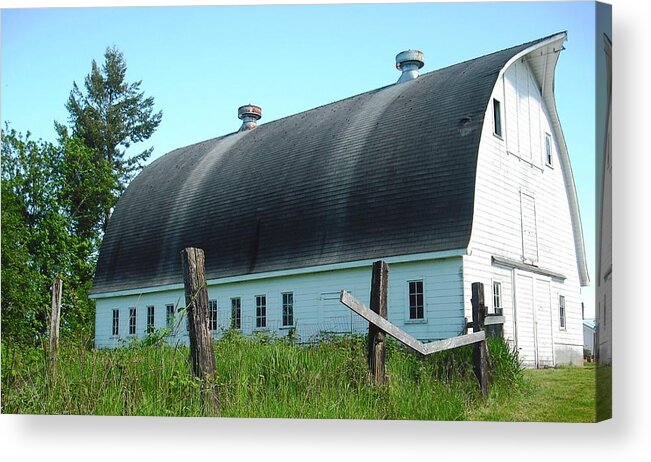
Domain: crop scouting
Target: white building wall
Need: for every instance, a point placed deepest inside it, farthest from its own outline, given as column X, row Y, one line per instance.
column 509, row 167
column 316, row 303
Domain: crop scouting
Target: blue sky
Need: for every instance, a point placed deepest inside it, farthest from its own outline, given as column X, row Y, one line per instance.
column 202, row 63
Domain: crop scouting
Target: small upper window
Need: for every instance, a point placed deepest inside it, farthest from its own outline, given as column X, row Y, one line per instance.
column 561, row 311
column 416, row 301
column 497, row 296
column 497, row 118
column 116, row 322
column 132, row 321
column 260, row 311
column 236, row 313
column 288, row 309
column 548, row 149
column 169, row 320
column 150, row 318
column 212, row 314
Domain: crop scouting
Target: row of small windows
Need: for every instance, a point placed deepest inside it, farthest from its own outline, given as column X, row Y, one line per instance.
column 497, row 131
column 236, row 314
column 416, row 310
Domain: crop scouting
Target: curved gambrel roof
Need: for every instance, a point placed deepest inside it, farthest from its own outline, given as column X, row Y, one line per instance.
column 384, row 173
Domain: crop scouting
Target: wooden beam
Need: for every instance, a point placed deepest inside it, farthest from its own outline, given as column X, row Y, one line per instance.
column 491, row 320
column 196, row 305
column 480, row 351
column 454, row 342
column 404, row 337
column 376, row 344
column 55, row 320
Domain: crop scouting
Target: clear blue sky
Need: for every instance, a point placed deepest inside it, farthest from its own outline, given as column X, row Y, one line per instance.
column 202, row 63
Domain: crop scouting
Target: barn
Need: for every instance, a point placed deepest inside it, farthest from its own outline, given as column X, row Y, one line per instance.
column 604, row 281
column 453, row 176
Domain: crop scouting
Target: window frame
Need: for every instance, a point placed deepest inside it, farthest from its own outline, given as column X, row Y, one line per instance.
column 133, row 320
column 408, row 293
column 548, row 145
column 213, row 315
column 290, row 306
column 261, row 311
column 497, row 119
column 170, row 315
column 115, row 326
column 151, row 318
column 236, row 321
column 497, row 297
column 562, row 313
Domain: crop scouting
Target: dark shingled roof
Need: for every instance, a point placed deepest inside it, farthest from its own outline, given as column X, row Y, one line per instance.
column 388, row 172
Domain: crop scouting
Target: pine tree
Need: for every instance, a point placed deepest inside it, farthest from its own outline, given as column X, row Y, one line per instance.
column 110, row 115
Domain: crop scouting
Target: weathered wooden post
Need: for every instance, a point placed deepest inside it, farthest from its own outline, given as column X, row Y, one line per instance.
column 480, row 352
column 376, row 345
column 196, row 303
column 55, row 316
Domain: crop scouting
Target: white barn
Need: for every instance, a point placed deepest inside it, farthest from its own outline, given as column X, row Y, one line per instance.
column 452, row 177
column 605, row 256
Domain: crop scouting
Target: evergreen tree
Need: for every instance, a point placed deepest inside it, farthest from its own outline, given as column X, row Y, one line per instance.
column 110, row 115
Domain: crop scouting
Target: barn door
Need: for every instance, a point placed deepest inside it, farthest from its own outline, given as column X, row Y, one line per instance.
column 534, row 320
column 544, row 333
column 337, row 318
column 525, row 319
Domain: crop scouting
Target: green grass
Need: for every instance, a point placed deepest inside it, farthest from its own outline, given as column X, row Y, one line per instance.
column 562, row 394
column 266, row 377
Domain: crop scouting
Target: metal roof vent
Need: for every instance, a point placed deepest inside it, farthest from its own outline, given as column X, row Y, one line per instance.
column 409, row 61
column 249, row 115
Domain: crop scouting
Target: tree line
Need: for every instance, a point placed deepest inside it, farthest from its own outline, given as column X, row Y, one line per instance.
column 57, row 198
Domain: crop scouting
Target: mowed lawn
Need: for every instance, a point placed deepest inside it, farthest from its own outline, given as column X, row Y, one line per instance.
column 562, row 394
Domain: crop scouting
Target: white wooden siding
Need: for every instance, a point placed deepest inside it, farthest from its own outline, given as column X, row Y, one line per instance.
column 316, row 303
column 507, row 168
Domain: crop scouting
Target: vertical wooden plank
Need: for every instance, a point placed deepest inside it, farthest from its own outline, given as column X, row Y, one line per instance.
column 376, row 346
column 480, row 352
column 196, row 303
column 55, row 316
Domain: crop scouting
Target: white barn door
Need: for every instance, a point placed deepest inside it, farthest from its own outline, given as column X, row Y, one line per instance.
column 533, row 320
column 525, row 322
column 545, row 353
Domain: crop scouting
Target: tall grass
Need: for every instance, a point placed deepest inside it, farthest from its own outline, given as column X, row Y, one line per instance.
column 257, row 376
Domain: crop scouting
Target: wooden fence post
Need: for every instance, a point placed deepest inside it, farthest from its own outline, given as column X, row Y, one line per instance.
column 480, row 352
column 55, row 316
column 376, row 342
column 196, row 303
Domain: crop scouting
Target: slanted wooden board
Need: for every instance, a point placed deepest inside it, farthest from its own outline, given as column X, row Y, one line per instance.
column 404, row 337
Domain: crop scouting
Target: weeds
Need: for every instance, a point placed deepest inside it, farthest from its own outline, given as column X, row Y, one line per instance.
column 257, row 376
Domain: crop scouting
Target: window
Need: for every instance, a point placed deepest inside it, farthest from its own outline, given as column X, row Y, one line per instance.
column 169, row 319
column 561, row 311
column 212, row 314
column 288, row 309
column 260, row 311
column 529, row 228
column 150, row 318
column 116, row 322
column 548, row 149
column 416, row 304
column 236, row 313
column 132, row 321
column 497, row 118
column 604, row 311
column 497, row 297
